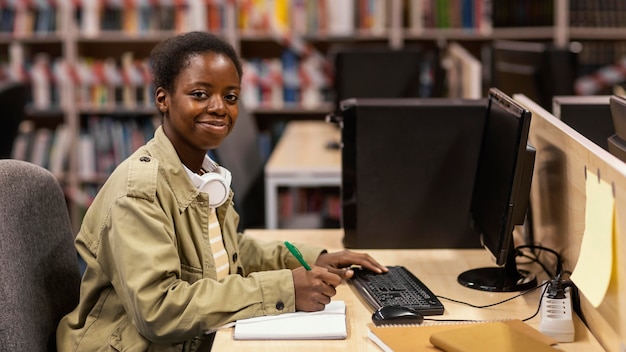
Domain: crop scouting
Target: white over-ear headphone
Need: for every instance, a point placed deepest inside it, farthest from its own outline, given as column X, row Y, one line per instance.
column 216, row 183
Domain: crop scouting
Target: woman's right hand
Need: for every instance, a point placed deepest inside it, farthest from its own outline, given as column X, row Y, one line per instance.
column 314, row 288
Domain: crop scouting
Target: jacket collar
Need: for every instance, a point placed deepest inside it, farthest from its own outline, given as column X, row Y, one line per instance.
column 173, row 170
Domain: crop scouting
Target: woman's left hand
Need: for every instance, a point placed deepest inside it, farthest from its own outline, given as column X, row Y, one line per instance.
column 339, row 262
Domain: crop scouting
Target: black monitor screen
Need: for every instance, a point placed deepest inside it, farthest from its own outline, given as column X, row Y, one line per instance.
column 588, row 115
column 408, row 168
column 501, row 191
column 617, row 141
column 617, row 104
column 376, row 72
column 537, row 70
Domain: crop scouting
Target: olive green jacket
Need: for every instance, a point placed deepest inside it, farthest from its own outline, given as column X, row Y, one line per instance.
column 150, row 281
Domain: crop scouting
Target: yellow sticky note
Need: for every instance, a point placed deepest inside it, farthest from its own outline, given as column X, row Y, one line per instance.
column 595, row 262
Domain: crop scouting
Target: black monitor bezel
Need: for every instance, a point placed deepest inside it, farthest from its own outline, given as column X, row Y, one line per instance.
column 495, row 225
column 512, row 212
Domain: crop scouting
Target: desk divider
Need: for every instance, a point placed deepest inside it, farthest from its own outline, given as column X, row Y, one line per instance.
column 558, row 199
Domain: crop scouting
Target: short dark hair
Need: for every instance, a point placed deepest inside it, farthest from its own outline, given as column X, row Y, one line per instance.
column 171, row 56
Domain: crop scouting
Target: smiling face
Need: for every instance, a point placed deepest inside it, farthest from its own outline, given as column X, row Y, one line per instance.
column 203, row 108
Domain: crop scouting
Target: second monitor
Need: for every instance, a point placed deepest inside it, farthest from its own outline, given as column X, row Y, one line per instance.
column 408, row 169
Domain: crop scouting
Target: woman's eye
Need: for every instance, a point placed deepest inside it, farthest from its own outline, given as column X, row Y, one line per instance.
column 199, row 94
column 231, row 98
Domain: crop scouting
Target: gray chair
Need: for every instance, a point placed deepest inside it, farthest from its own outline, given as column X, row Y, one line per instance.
column 39, row 279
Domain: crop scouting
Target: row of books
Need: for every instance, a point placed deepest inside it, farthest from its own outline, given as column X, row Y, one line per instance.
column 285, row 81
column 106, row 141
column 105, row 83
column 522, row 13
column 314, row 17
column 22, row 18
column 597, row 54
column 301, row 17
column 144, row 16
column 473, row 15
column 600, row 67
column 46, row 147
column 103, row 143
column 598, row 13
column 100, row 83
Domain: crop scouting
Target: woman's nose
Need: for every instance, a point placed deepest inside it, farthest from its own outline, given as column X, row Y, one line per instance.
column 216, row 105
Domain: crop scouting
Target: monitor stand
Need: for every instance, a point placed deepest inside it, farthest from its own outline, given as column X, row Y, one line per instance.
column 507, row 278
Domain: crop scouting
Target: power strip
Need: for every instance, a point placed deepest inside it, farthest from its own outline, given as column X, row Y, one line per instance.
column 556, row 317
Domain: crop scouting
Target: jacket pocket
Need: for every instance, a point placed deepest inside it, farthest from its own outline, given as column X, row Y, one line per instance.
column 126, row 338
column 190, row 274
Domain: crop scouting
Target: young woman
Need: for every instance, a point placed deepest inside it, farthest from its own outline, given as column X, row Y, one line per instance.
column 164, row 262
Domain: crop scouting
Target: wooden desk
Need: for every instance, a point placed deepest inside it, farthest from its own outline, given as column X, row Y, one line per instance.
column 301, row 158
column 437, row 268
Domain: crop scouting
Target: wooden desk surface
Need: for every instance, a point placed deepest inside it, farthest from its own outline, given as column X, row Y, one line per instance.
column 302, row 150
column 436, row 268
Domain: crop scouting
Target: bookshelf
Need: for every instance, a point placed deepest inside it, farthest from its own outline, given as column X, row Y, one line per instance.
column 86, row 60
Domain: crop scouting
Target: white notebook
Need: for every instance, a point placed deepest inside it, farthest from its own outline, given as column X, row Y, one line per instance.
column 329, row 324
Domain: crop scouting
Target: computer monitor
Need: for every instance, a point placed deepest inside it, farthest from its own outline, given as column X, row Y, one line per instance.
column 501, row 191
column 617, row 141
column 408, row 168
column 588, row 115
column 617, row 104
column 538, row 70
column 382, row 72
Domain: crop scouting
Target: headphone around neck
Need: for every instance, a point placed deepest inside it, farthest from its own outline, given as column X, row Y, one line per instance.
column 217, row 184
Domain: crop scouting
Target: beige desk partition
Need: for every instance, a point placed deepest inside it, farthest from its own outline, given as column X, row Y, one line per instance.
column 559, row 201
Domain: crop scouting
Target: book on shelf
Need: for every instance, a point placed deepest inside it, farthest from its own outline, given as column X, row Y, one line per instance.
column 59, row 153
column 341, row 16
column 23, row 143
column 89, row 18
column 41, row 81
column 42, row 145
column 86, row 157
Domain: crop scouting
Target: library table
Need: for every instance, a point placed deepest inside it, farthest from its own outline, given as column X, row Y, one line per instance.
column 301, row 158
column 437, row 268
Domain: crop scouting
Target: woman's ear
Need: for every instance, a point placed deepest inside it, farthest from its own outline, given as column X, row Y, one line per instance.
column 160, row 98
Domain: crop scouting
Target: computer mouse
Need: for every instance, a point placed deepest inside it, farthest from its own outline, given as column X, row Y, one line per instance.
column 396, row 315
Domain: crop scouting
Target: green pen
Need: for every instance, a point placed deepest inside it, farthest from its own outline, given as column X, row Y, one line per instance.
column 296, row 253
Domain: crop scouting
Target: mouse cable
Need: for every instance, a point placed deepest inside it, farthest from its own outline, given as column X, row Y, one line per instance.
column 544, row 285
column 496, row 303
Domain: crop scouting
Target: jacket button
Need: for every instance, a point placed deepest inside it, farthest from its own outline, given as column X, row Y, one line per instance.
column 235, row 257
column 145, row 159
column 280, row 305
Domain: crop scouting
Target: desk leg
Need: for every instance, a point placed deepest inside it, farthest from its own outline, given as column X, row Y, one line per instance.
column 271, row 204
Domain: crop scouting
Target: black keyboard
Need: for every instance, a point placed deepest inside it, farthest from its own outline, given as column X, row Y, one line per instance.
column 397, row 287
